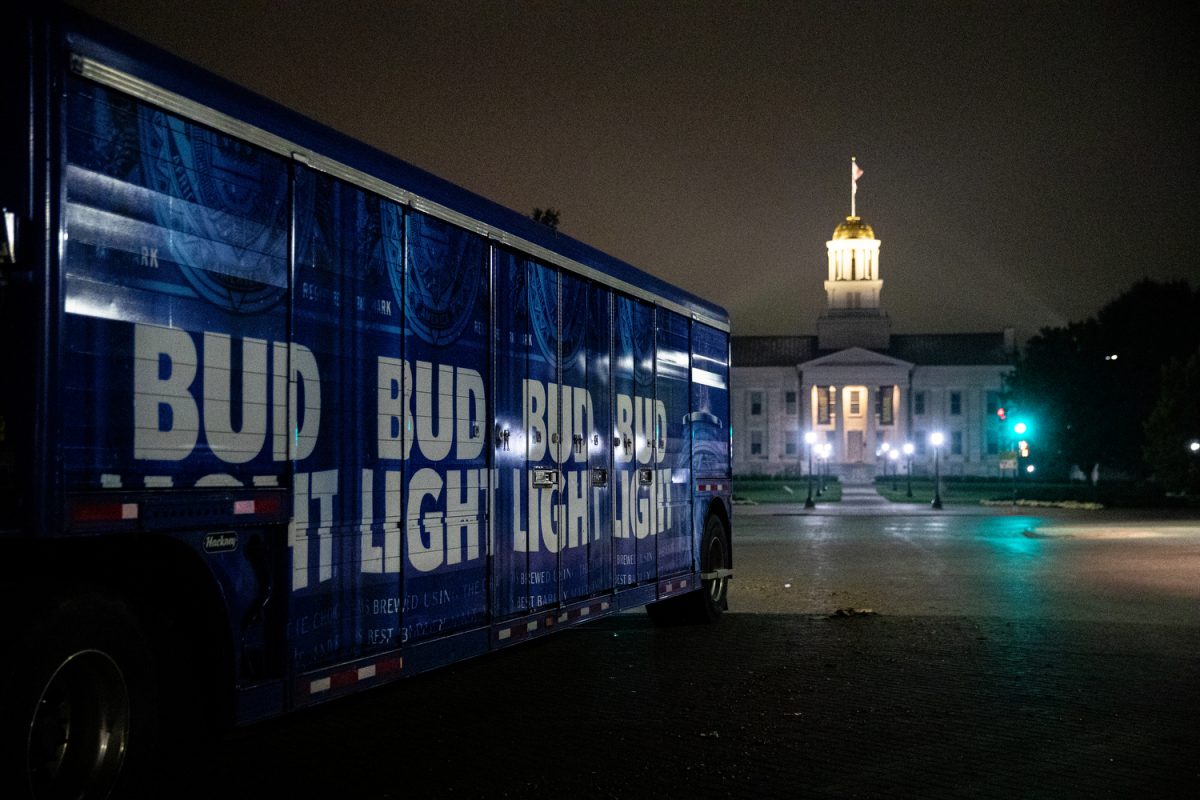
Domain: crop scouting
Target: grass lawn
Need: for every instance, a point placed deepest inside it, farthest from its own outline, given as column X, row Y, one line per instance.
column 953, row 492
column 1033, row 492
column 782, row 490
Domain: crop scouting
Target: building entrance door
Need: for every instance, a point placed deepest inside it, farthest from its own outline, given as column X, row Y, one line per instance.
column 855, row 447
column 854, row 412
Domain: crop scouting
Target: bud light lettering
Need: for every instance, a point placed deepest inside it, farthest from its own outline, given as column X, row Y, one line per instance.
column 638, row 422
column 552, row 519
column 642, row 510
column 443, row 524
column 312, row 492
column 553, row 433
column 448, row 411
column 230, row 398
column 169, row 376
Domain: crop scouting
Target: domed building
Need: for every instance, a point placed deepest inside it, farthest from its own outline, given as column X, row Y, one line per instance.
column 863, row 390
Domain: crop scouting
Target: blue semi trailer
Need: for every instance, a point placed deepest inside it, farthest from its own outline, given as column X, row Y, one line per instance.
column 283, row 417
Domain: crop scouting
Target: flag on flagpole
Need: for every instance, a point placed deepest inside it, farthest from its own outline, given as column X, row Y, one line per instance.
column 855, row 174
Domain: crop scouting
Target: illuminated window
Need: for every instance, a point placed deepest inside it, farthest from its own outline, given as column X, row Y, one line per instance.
column 823, row 405
column 855, row 405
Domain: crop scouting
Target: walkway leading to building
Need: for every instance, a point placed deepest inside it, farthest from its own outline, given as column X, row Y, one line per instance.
column 862, row 496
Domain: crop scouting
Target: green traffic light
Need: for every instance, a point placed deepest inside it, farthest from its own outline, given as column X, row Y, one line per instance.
column 1020, row 428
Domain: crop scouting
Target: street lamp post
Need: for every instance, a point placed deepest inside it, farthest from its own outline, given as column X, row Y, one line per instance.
column 826, row 453
column 1019, row 429
column 810, row 439
column 936, row 439
column 822, row 456
column 1193, row 448
column 908, row 453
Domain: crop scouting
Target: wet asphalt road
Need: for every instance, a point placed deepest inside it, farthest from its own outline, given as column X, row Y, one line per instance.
column 999, row 562
column 1009, row 655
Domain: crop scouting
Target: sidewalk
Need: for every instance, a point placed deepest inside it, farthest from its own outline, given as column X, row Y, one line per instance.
column 863, row 499
column 863, row 496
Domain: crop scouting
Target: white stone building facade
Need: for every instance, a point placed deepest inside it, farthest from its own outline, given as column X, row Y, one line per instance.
column 863, row 390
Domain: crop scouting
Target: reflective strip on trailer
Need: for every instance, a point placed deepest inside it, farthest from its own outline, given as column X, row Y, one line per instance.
column 104, row 512
column 262, row 505
column 671, row 587
column 705, row 486
column 344, row 678
column 521, row 630
column 574, row 614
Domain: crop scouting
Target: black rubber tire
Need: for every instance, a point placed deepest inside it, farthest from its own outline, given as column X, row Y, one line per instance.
column 708, row 603
column 713, row 598
column 80, row 720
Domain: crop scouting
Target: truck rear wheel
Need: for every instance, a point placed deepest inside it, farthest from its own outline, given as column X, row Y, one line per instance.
column 82, row 716
column 707, row 604
column 714, row 557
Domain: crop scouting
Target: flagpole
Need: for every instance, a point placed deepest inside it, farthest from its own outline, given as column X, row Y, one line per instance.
column 853, row 186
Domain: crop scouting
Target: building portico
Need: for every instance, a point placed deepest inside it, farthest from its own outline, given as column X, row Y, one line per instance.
column 855, row 400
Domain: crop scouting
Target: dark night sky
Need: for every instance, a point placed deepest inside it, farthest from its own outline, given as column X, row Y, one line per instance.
column 1024, row 162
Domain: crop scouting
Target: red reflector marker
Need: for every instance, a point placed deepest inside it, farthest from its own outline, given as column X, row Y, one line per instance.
column 104, row 512
column 263, row 505
column 267, row 505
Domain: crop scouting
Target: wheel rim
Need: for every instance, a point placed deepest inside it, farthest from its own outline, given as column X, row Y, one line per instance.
column 79, row 733
column 716, row 561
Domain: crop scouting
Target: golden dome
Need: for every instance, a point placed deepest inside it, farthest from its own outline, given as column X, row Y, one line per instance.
column 853, row 228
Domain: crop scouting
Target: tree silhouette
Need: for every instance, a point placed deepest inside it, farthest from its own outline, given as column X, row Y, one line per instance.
column 1173, row 423
column 546, row 216
column 1092, row 385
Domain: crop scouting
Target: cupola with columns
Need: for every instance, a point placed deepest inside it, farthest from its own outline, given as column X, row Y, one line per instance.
column 853, row 316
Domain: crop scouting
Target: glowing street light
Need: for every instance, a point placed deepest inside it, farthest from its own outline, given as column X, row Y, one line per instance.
column 810, row 438
column 937, row 440
column 908, row 454
column 1194, row 447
